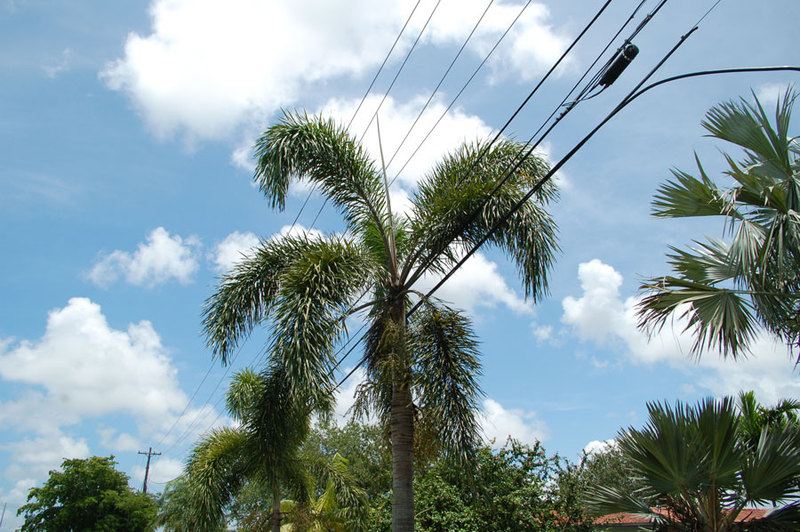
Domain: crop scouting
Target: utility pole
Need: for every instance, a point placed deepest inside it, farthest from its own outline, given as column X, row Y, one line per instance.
column 149, row 454
column 3, row 515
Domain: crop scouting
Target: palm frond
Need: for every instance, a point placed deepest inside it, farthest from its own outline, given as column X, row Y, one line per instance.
column 771, row 471
column 245, row 295
column 246, row 387
column 719, row 318
column 686, row 195
column 446, row 368
column 323, row 152
column 442, row 226
column 216, row 469
column 316, row 292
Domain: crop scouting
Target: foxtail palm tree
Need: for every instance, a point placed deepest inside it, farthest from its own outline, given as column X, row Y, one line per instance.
column 699, row 474
column 726, row 289
column 421, row 369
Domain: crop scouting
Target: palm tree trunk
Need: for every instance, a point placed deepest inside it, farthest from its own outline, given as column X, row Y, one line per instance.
column 402, row 432
column 276, row 511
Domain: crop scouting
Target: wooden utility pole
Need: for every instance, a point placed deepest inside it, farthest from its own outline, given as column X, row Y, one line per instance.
column 149, row 454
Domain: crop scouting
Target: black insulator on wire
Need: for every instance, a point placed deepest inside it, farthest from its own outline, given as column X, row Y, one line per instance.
column 623, row 59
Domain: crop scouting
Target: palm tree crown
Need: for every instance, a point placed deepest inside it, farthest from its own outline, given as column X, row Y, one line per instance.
column 699, row 472
column 727, row 288
column 420, row 369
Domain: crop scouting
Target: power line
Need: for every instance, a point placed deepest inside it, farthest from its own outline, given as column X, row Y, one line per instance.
column 385, row 95
column 508, row 122
column 630, row 97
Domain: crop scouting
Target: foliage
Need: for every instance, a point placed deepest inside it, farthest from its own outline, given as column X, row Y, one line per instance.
column 247, row 470
column 755, row 417
column 694, row 463
column 421, row 372
column 725, row 289
column 87, row 494
column 515, row 488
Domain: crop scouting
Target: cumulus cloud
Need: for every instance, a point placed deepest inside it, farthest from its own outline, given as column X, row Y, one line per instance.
column 602, row 316
column 208, row 66
column 477, row 284
column 499, row 423
column 61, row 377
column 163, row 257
column 396, row 118
column 232, row 249
column 599, row 446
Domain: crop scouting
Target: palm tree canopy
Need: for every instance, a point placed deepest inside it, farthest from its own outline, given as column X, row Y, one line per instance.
column 698, row 470
column 304, row 287
column 726, row 289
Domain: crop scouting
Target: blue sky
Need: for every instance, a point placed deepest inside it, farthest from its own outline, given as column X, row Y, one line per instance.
column 125, row 191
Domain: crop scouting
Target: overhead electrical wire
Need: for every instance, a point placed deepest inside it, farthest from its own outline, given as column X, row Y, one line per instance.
column 632, row 95
column 294, row 222
column 508, row 122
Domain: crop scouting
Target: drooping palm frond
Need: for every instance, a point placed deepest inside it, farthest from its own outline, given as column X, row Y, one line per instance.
column 728, row 289
column 245, row 295
column 244, row 391
column 316, row 292
column 446, row 369
column 441, row 226
column 216, row 470
column 302, row 146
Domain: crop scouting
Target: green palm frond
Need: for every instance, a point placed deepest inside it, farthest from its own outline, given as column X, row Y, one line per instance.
column 441, row 228
column 762, row 259
column 316, row 290
column 323, row 152
column 686, row 195
column 446, row 368
column 771, row 471
column 245, row 295
column 216, row 471
column 719, row 318
column 243, row 392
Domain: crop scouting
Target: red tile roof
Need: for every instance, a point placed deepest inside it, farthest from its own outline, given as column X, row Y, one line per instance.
column 624, row 518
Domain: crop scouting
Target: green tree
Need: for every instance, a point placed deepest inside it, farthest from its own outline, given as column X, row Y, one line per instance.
column 88, row 494
column 262, row 457
column 515, row 488
column 421, row 369
column 699, row 474
column 725, row 289
column 755, row 417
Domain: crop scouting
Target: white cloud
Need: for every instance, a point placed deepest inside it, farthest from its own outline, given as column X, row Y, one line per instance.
column 768, row 93
column 601, row 315
column 162, row 470
column 499, row 424
column 78, row 359
column 475, row 285
column 232, row 249
column 163, row 257
column 69, row 372
column 209, row 66
column 599, row 447
column 543, row 332
column 345, row 395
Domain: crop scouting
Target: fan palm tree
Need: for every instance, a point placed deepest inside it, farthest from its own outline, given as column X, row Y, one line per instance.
column 421, row 369
column 725, row 289
column 699, row 474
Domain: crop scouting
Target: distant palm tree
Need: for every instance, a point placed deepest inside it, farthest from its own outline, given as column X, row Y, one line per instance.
column 264, row 450
column 726, row 289
column 699, row 474
column 422, row 369
column 755, row 418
